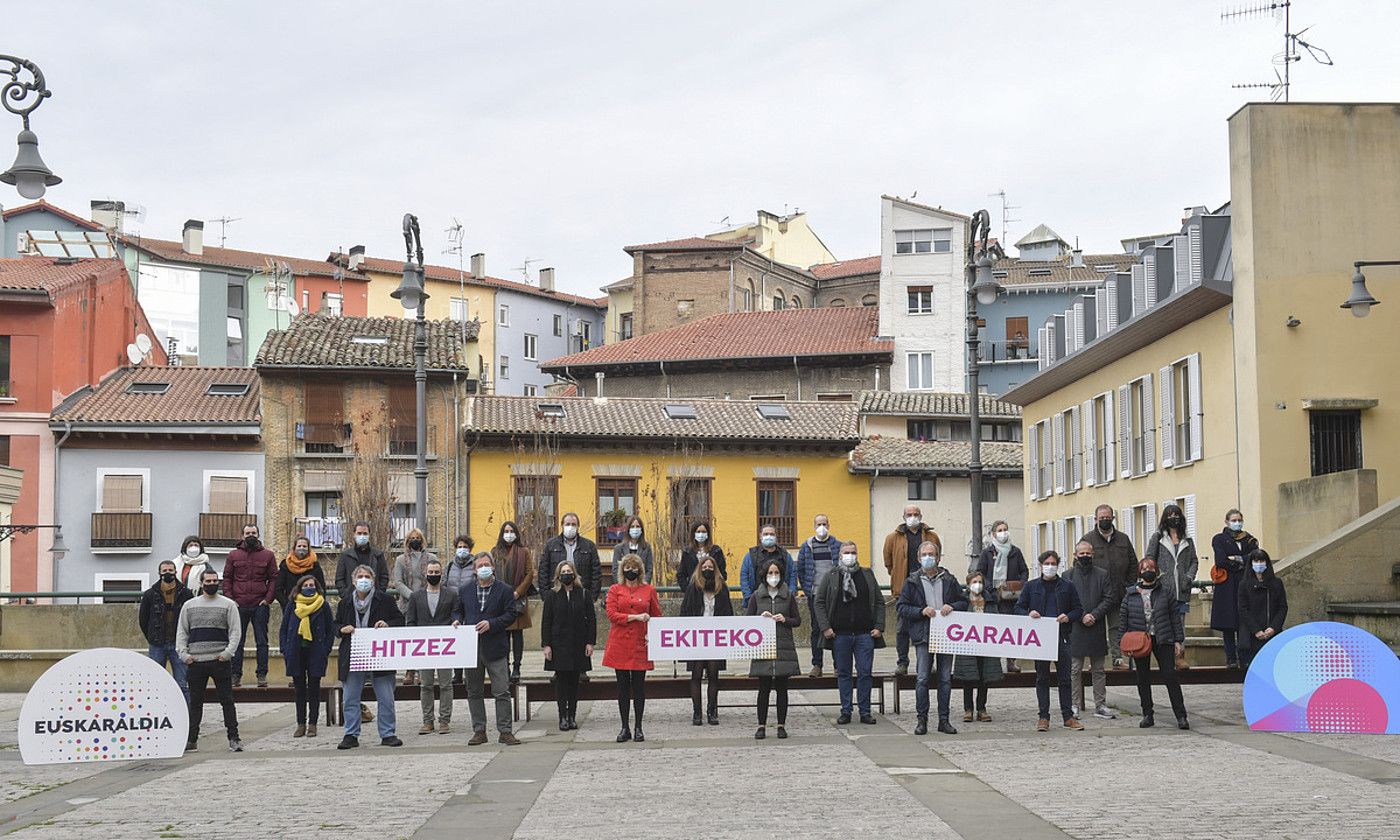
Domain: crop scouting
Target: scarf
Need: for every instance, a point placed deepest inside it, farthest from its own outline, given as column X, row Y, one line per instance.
column 999, row 565
column 848, row 584
column 168, row 593
column 298, row 566
column 362, row 608
column 305, row 608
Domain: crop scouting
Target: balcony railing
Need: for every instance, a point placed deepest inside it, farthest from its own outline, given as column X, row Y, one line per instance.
column 993, row 352
column 402, row 442
column 224, row 530
column 399, row 526
column 121, row 531
column 324, row 532
column 322, row 438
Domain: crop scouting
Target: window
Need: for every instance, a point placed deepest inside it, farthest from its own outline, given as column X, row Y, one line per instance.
column 122, row 521
column 332, row 303
column 999, row 432
column 1099, row 440
column 923, row 241
column 767, row 397
column 558, row 325
column 777, row 506
column 1180, row 383
column 503, row 316
column 228, row 494
column 504, row 366
column 1041, row 460
column 923, row 489
column 402, row 399
column 690, row 503
column 685, row 306
column 778, row 302
column 170, row 297
column 1335, row 438
column 374, row 340
column 324, row 428
column 773, row 411
column 1140, row 424
column 617, row 500
column 920, row 300
column 990, row 489
column 920, row 370
column 835, row 397
column 585, row 335
column 323, row 504
column 122, row 493
column 922, row 430
column 403, row 517
column 531, row 345
column 869, row 300
column 680, row 411
column 4, row 366
column 4, row 450
column 537, row 505
column 747, row 293
column 551, row 409
column 121, row 590
column 226, row 389
column 1018, row 332
column 148, row 387
column 796, row 302
column 458, row 309
column 529, row 391
column 624, row 328
column 837, row 302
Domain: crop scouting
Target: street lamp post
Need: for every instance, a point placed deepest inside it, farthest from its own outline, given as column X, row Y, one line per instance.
column 21, row 96
column 1360, row 301
column 982, row 288
column 413, row 296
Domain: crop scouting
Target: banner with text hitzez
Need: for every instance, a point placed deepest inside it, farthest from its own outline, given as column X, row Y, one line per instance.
column 720, row 637
column 994, row 634
column 412, row 648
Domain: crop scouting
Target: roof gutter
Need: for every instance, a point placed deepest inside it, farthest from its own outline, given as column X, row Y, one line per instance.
column 57, row 484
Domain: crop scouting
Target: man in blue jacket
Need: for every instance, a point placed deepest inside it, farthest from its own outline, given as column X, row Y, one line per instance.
column 930, row 591
column 489, row 605
column 760, row 556
column 1045, row 597
column 816, row 556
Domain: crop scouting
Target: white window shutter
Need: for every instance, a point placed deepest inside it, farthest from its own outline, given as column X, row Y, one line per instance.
column 1058, row 427
column 1073, row 437
column 1110, row 442
column 1035, row 542
column 1149, row 442
column 1100, row 311
column 1060, row 537
column 1193, row 387
column 1125, row 524
column 1149, row 521
column 1111, row 307
column 1149, row 278
column 1139, row 290
column 1125, row 434
column 1090, row 448
column 1168, row 417
column 1194, row 236
column 1033, row 460
column 1191, row 516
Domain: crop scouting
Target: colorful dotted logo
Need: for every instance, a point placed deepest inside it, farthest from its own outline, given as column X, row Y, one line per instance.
column 1324, row 677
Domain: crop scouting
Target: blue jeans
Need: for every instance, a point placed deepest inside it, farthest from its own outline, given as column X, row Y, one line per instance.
column 859, row 647
column 383, row 692
column 1062, row 673
column 257, row 616
column 162, row 654
column 945, row 681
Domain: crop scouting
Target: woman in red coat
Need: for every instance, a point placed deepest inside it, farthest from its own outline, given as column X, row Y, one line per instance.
column 631, row 604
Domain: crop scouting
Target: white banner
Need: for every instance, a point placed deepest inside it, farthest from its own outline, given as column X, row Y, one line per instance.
column 412, row 648
column 994, row 634
column 104, row 704
column 721, row 637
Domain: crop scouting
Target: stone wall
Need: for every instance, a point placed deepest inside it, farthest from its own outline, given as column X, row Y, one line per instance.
column 1311, row 508
column 1353, row 564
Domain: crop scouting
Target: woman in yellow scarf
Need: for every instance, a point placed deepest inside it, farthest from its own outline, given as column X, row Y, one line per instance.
column 301, row 561
column 308, row 631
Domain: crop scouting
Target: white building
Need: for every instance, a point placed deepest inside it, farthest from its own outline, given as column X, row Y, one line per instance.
column 922, row 250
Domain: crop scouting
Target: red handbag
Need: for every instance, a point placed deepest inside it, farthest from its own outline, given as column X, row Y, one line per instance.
column 1136, row 644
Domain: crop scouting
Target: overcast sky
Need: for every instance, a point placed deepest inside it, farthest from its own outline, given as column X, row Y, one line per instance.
column 564, row 131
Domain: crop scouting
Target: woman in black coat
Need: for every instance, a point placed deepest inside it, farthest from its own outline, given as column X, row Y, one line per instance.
column 1230, row 547
column 1262, row 603
column 706, row 594
column 699, row 545
column 975, row 672
column 308, row 632
column 1150, row 607
column 568, row 631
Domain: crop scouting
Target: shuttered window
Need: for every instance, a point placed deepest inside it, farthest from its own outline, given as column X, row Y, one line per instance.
column 121, row 493
column 228, row 494
column 325, row 411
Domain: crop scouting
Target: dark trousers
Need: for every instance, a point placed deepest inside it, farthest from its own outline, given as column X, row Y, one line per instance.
column 1042, row 682
column 1166, row 661
column 981, row 697
column 701, row 670
column 566, row 693
column 766, row 686
column 517, row 648
column 1232, row 649
column 199, row 674
column 308, row 695
column 257, row 616
column 818, row 649
column 631, row 689
column 901, row 642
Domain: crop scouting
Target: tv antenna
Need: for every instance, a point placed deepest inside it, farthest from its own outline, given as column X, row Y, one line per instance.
column 1005, row 212
column 524, row 268
column 1294, row 47
column 722, row 223
column 223, row 223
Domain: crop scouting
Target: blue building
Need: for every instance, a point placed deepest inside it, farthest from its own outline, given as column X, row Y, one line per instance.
column 537, row 323
column 43, row 229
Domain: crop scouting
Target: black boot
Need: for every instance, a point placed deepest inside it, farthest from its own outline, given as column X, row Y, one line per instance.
column 696, row 719
column 1146, row 722
column 712, row 716
column 921, row 728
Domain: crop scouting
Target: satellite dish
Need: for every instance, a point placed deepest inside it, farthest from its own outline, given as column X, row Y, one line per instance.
column 293, row 309
column 143, row 343
column 134, row 354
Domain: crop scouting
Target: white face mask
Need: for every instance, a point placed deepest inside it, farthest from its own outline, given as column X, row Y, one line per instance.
column 570, row 531
column 774, row 580
column 822, row 531
column 768, row 540
column 509, row 537
column 634, row 532
column 193, row 551
column 701, row 536
column 976, row 588
column 1259, row 567
column 1002, row 536
column 1050, row 571
column 848, row 560
column 912, row 522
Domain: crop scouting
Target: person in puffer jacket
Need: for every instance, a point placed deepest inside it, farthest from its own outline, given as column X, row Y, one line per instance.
column 1150, row 608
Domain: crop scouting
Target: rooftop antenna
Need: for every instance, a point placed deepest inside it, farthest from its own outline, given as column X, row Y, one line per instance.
column 455, row 237
column 1293, row 46
column 1005, row 212
column 722, row 223
column 524, row 268
column 224, row 222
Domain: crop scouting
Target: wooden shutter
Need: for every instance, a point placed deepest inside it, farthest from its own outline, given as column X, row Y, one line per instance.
column 1168, row 417
column 403, row 405
column 1033, row 462
column 228, row 494
column 1193, row 387
column 121, row 493
column 1035, row 542
column 1090, row 443
column 1057, row 426
column 1125, row 433
column 325, row 411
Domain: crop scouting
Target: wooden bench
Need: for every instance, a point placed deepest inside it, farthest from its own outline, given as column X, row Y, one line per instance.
column 531, row 691
column 1196, row 675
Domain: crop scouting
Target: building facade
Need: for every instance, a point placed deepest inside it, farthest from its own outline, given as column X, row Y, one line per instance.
column 921, row 298
column 11, row 484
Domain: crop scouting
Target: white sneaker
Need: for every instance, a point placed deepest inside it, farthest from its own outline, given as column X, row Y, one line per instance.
column 1074, row 710
column 1106, row 713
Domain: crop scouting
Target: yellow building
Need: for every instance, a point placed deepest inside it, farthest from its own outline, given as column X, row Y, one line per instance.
column 785, row 239
column 454, row 294
column 735, row 464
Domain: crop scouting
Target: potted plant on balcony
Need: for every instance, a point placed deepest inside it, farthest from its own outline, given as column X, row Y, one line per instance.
column 615, row 524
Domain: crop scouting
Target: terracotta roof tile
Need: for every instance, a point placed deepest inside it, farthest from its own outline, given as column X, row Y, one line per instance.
column 846, row 268
column 186, row 399
column 932, row 404
column 899, row 454
column 235, row 258
column 47, row 274
column 379, row 265
column 365, row 343
column 829, row 331
column 1011, row 272
column 87, row 224
column 690, row 243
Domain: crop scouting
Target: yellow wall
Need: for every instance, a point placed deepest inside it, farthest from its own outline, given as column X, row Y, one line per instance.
column 619, row 304
column 792, row 242
column 481, row 305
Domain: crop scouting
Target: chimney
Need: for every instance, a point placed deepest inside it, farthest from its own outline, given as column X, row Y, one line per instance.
column 357, row 258
column 547, row 279
column 1076, row 258
column 478, row 266
column 193, row 240
column 598, row 378
column 109, row 214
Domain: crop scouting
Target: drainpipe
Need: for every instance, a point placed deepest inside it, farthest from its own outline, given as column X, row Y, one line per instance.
column 731, row 285
column 665, row 379
column 797, row 373
column 57, row 483
column 873, row 477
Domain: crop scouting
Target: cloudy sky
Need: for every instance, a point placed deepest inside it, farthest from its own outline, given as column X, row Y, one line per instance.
column 563, row 131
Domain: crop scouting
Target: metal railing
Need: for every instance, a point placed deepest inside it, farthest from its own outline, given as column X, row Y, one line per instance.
column 121, row 530
column 402, row 442
column 1005, row 351
column 322, row 438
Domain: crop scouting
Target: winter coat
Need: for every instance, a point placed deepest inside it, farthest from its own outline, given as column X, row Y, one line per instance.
column 896, row 550
column 318, row 653
column 151, row 616
column 1168, row 624
column 806, row 561
column 406, row 577
column 623, row 549
column 586, row 563
column 829, row 595
column 350, row 558
column 417, row 613
column 1051, row 598
column 250, row 578
column 287, row 579
column 1096, row 597
column 1016, row 568
column 693, row 605
column 690, row 559
column 756, row 560
column 190, row 570
column 1115, row 554
column 494, row 644
column 626, row 649
column 1179, row 572
column 568, row 625
column 979, row 669
column 913, row 600
column 517, row 570
column 1224, row 605
column 381, row 608
column 457, row 574
column 784, row 664
column 1261, row 604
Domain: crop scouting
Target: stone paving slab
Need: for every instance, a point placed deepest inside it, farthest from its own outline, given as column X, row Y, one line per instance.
column 18, row 781
column 670, row 720
column 1379, row 747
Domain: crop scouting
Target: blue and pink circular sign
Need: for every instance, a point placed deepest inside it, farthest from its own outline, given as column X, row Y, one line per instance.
column 1324, row 677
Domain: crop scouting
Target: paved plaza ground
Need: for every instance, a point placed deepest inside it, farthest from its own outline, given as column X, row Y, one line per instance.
column 997, row 780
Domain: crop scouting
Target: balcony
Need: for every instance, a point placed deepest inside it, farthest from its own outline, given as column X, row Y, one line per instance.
column 121, row 532
column 322, row 439
column 402, row 442
column 399, row 526
column 222, row 531
column 324, row 532
column 1005, row 352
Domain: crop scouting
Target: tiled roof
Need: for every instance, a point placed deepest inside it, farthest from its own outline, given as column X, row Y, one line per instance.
column 901, row 455
column 185, row 401
column 625, row 417
column 379, row 265
column 1011, row 272
column 936, row 404
column 87, row 224
column 829, row 331
column 846, row 268
column 235, row 258
column 690, row 243
column 46, row 274
column 345, row 342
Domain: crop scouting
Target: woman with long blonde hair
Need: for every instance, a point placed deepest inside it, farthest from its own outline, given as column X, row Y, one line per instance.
column 706, row 594
column 568, row 631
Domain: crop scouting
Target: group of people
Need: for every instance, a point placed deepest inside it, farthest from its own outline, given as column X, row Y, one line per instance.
column 1114, row 609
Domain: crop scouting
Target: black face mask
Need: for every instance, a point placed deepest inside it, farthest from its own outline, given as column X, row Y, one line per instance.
column 211, row 589
column 631, row 574
column 168, row 577
column 415, row 545
column 707, row 574
column 251, row 543
column 433, row 579
column 568, row 578
column 1148, row 578
column 1174, row 523
column 1105, row 525
column 1083, row 558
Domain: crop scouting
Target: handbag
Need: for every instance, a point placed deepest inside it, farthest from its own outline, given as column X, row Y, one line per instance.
column 1136, row 644
column 1218, row 575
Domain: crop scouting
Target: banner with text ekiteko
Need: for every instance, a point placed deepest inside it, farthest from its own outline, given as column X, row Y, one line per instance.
column 994, row 634
column 719, row 637
column 412, row 648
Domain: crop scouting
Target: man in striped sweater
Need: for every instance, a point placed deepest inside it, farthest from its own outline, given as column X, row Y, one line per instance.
column 208, row 634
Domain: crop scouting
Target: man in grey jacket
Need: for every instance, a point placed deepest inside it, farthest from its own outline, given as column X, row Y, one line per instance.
column 209, row 632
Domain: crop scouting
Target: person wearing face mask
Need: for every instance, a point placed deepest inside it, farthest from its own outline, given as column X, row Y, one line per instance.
column 433, row 606
column 568, row 632
column 250, row 579
column 977, row 672
column 1051, row 597
column 851, row 614
column 191, row 562
column 488, row 604
column 699, row 548
column 208, row 632
column 901, row 558
column 759, row 556
column 928, row 592
column 159, row 619
column 1149, row 607
column 516, row 569
column 774, row 600
column 301, row 561
column 458, row 573
column 1174, row 552
column 406, row 578
column 569, row 544
column 706, row 594
column 1004, row 573
column 1230, row 547
column 362, row 607
column 630, row 605
column 1262, row 604
column 1114, row 553
column 1088, row 639
column 308, row 632
column 817, row 555
column 360, row 551
column 634, row 543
